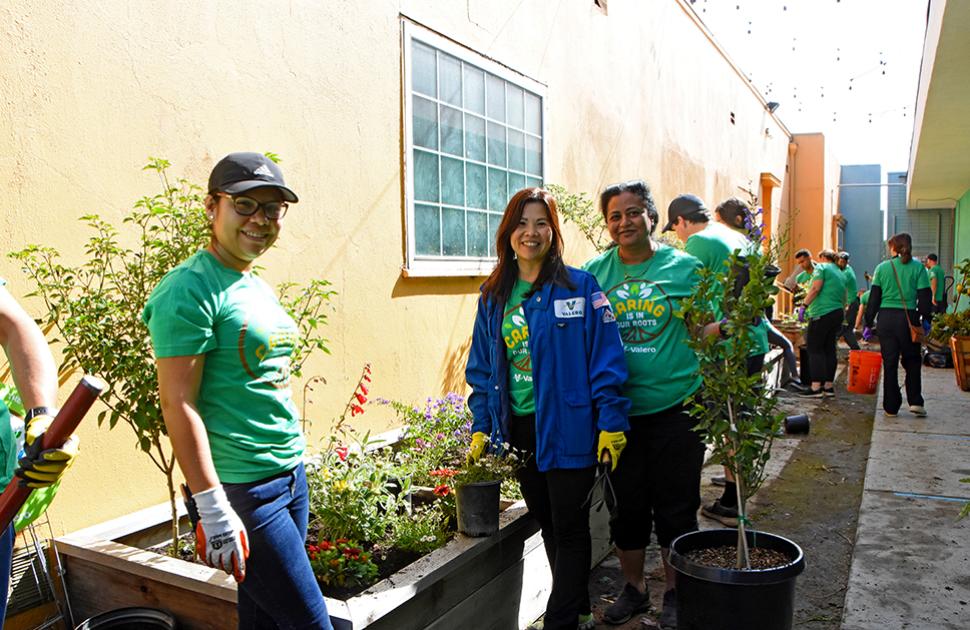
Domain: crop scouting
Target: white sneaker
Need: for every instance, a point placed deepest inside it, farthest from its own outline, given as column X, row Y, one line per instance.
column 918, row 410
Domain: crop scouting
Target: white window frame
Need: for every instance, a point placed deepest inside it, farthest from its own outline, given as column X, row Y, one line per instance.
column 439, row 266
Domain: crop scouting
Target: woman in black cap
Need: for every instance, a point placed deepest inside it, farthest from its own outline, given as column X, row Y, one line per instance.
column 223, row 344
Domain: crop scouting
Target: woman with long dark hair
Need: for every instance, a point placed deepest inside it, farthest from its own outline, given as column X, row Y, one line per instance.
column 900, row 296
column 546, row 370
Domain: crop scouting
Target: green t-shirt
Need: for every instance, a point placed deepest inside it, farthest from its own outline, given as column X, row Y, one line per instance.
column 832, row 296
column 938, row 273
column 8, row 445
column 851, row 284
column 713, row 246
column 912, row 277
column 804, row 278
column 236, row 321
column 515, row 331
column 864, row 298
column 663, row 369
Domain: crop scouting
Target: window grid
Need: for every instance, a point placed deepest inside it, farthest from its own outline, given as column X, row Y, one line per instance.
column 529, row 178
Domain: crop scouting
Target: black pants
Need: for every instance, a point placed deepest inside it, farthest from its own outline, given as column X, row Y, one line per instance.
column 557, row 499
column 822, row 334
column 895, row 343
column 848, row 328
column 658, row 479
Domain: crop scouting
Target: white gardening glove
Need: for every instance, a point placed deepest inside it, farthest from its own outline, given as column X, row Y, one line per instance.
column 220, row 538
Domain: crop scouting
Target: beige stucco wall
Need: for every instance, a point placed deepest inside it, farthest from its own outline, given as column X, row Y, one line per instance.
column 89, row 90
column 814, row 194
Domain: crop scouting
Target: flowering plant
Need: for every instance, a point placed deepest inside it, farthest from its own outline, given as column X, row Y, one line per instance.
column 435, row 436
column 341, row 562
column 488, row 467
column 352, row 491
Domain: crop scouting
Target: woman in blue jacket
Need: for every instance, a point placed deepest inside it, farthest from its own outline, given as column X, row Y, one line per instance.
column 546, row 369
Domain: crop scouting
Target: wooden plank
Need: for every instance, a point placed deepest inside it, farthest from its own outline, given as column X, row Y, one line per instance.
column 151, row 566
column 512, row 599
column 30, row 619
column 95, row 588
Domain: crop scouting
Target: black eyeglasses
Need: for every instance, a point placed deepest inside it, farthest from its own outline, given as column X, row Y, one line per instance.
column 247, row 206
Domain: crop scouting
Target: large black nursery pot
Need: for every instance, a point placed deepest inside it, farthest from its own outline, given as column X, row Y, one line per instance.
column 135, row 618
column 709, row 598
column 478, row 505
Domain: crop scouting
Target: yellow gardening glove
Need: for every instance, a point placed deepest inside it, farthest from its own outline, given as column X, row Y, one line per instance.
column 38, row 468
column 611, row 444
column 479, row 440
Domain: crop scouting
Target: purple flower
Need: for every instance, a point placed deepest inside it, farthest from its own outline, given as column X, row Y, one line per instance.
column 420, row 444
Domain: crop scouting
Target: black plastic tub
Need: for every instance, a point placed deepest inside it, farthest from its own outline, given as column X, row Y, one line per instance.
column 135, row 618
column 477, row 506
column 710, row 598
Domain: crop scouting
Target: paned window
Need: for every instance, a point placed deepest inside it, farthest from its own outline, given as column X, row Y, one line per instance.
column 474, row 137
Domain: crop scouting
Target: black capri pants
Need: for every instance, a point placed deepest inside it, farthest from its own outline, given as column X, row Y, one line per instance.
column 658, row 479
column 822, row 334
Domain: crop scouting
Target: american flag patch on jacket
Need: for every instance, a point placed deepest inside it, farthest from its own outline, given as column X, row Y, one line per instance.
column 599, row 300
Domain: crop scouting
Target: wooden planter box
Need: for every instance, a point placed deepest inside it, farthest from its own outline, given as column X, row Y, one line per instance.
column 453, row 587
column 960, row 346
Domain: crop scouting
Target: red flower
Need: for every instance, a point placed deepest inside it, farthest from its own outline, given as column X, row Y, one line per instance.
column 363, row 388
column 360, row 398
column 356, row 410
column 342, row 452
column 325, row 545
column 366, row 378
column 442, row 490
column 342, row 541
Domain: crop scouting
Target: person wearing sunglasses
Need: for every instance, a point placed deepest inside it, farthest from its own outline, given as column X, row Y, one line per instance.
column 222, row 346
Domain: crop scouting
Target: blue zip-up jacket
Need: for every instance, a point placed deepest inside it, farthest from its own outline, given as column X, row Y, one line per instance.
column 578, row 371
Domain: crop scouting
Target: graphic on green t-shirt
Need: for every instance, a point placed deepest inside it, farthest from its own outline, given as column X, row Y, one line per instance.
column 938, row 273
column 662, row 368
column 832, row 296
column 515, row 332
column 912, row 277
column 204, row 308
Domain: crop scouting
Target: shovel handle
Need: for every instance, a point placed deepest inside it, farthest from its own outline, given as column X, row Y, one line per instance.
column 65, row 423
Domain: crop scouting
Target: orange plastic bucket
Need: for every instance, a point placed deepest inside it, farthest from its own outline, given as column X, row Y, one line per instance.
column 864, row 368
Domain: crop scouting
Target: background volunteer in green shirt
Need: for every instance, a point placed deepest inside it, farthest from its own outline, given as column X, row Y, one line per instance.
column 824, row 308
column 800, row 281
column 222, row 346
column 852, row 300
column 657, row 482
column 937, row 283
column 713, row 243
column 899, row 297
column 737, row 215
column 863, row 301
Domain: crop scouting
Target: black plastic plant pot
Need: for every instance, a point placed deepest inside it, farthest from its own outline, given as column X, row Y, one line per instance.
column 135, row 618
column 710, row 598
column 478, row 505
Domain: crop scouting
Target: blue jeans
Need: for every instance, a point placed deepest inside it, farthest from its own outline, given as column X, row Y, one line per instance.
column 6, row 557
column 280, row 590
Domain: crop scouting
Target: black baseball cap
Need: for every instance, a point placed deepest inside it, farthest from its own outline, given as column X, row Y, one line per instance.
column 681, row 206
column 238, row 172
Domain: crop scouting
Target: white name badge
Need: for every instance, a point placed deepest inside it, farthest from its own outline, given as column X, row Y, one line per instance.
column 573, row 307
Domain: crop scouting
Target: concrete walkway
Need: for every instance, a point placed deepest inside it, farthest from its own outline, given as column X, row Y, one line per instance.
column 911, row 564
